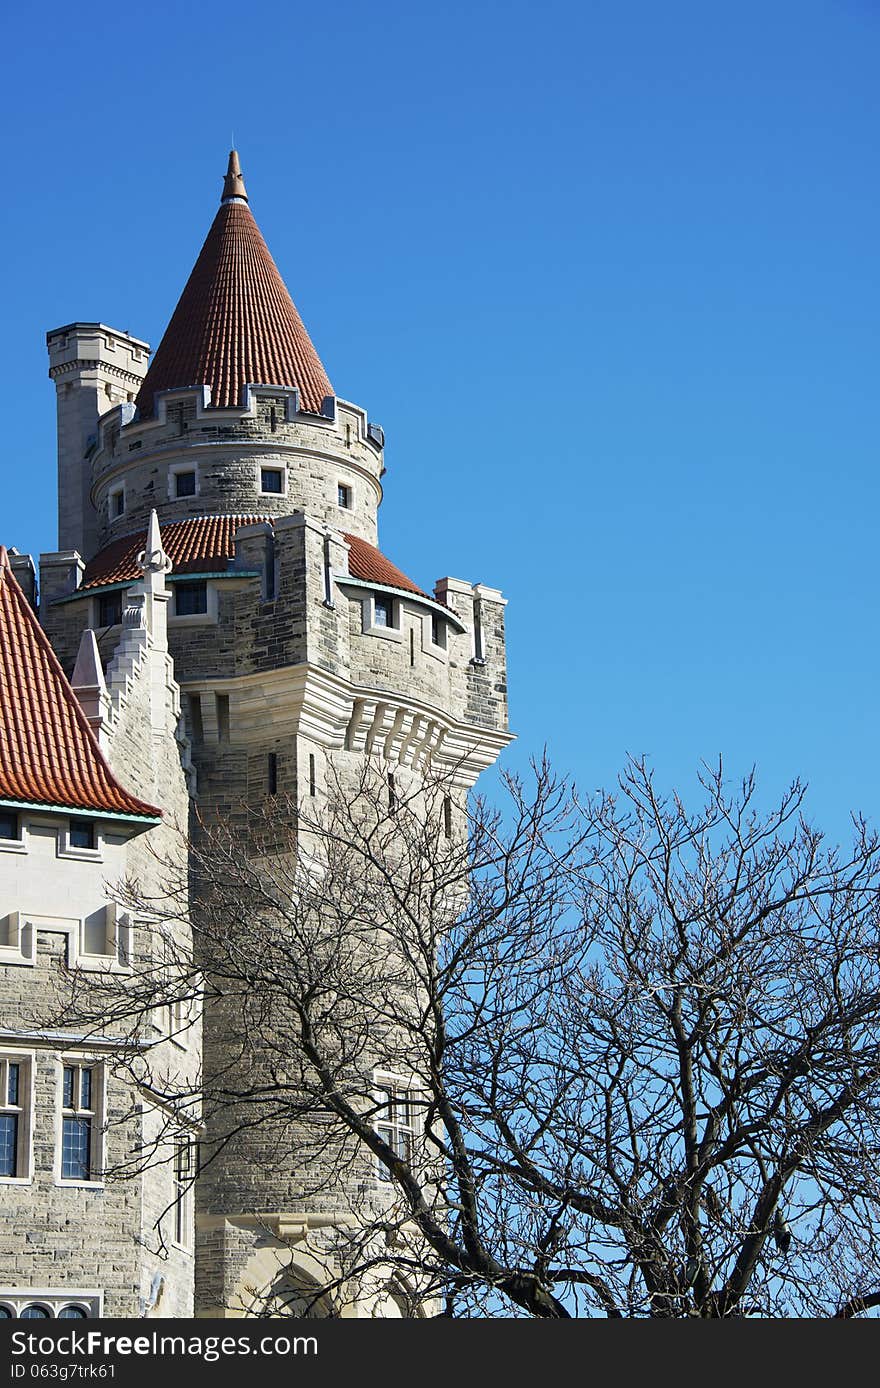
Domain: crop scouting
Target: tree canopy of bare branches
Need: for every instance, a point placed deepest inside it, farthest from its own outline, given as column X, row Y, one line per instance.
column 638, row 1045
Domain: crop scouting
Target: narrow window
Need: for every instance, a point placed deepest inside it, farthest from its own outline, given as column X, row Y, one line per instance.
column 382, row 611
column 184, row 484
column 273, row 419
column 117, row 503
column 272, row 776
column 343, row 496
column 190, row 599
column 478, row 635
column 311, row 773
column 182, row 1188
column 347, row 435
column 222, row 717
column 412, row 647
column 77, row 1121
column 81, row 834
column 271, row 480
column 110, row 609
column 12, row 1094
column 8, row 825
column 392, row 794
column 438, row 631
column 195, row 717
column 395, row 1125
column 447, row 816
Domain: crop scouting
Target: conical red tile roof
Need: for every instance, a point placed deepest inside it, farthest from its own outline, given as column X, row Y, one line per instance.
column 235, row 323
column 48, row 753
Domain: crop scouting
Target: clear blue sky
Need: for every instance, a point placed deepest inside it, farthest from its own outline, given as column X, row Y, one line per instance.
column 605, row 272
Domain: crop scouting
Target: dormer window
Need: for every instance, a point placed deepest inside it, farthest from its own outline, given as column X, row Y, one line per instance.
column 272, row 480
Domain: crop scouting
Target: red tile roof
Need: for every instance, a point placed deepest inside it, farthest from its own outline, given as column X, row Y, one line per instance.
column 207, row 543
column 367, row 562
column 235, row 324
column 48, row 754
column 191, row 545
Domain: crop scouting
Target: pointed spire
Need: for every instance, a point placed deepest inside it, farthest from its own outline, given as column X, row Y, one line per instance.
column 88, row 672
column 235, row 324
column 152, row 558
column 233, row 184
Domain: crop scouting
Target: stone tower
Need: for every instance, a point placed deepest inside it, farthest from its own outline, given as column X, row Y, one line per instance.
column 298, row 646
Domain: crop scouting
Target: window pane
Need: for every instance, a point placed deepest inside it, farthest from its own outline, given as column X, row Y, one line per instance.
column 190, row 598
column 8, row 825
column 6, row 1313
column 382, row 609
column 68, row 1086
column 110, row 609
column 82, row 833
column 12, row 1083
column 73, row 1313
column 8, row 1144
column 35, row 1313
column 271, row 479
column 85, row 1089
column 75, row 1144
column 185, row 483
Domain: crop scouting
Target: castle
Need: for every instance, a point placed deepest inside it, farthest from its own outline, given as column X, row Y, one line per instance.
column 217, row 626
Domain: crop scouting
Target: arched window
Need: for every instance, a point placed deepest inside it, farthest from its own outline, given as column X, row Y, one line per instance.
column 73, row 1313
column 35, row 1312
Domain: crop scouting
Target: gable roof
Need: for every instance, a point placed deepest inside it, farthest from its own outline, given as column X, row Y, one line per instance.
column 235, row 323
column 48, row 753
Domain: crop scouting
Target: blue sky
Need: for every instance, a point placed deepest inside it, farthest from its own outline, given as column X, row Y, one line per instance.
column 605, row 272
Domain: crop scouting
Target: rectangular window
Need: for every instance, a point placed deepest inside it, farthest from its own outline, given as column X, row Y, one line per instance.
column 438, row 630
column 184, row 484
column 343, row 496
column 12, row 1096
column 383, row 611
column 77, row 1122
column 81, row 834
column 190, row 599
column 271, row 480
column 392, row 794
column 183, row 1173
column 395, row 1124
column 447, row 816
column 272, row 776
column 311, row 773
column 8, row 825
column 109, row 609
column 117, row 503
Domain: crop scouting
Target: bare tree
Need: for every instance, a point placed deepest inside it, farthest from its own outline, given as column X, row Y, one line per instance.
column 639, row 1045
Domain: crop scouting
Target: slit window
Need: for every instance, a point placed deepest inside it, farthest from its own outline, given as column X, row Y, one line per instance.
column 447, row 816
column 438, row 630
column 392, row 794
column 272, row 776
column 116, row 502
column 311, row 773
